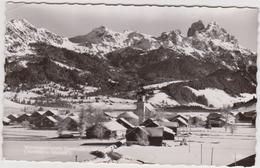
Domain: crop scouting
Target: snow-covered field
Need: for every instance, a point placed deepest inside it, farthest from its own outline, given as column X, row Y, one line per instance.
column 21, row 144
column 237, row 146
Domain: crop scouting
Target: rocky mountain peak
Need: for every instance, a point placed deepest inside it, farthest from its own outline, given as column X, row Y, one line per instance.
column 196, row 26
column 215, row 31
column 171, row 38
column 20, row 33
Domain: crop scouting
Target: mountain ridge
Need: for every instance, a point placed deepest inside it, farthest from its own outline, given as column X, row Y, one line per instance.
column 117, row 63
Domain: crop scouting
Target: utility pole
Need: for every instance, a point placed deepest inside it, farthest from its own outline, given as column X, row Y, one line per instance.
column 212, row 150
column 189, row 146
column 235, row 159
column 201, row 153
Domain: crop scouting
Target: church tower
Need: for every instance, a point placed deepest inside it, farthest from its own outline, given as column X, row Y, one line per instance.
column 140, row 105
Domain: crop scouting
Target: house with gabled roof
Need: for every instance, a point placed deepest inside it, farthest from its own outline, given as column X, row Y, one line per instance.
column 6, row 121
column 70, row 123
column 216, row 120
column 106, row 130
column 170, row 128
column 179, row 116
column 145, row 136
column 246, row 117
column 45, row 122
column 181, row 121
column 13, row 117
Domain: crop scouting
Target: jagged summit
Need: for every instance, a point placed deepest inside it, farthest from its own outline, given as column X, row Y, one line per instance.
column 20, row 34
column 202, row 40
column 20, row 23
column 196, row 26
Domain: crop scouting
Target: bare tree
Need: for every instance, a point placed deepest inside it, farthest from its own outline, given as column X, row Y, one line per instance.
column 62, row 126
column 82, row 121
column 226, row 110
column 95, row 115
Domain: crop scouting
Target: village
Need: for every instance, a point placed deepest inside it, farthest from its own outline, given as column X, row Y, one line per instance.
column 103, row 131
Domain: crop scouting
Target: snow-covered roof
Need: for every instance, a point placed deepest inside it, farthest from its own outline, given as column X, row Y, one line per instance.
column 149, row 107
column 27, row 114
column 62, row 117
column 163, row 120
column 128, row 114
column 182, row 120
column 52, row 119
column 14, row 115
column 41, row 112
column 183, row 116
column 113, row 126
column 168, row 130
column 74, row 118
column 126, row 122
column 7, row 120
column 155, row 131
column 55, row 112
column 113, row 114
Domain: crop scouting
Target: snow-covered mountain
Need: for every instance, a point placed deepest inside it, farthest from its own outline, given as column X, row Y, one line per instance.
column 20, row 33
column 208, row 58
column 101, row 40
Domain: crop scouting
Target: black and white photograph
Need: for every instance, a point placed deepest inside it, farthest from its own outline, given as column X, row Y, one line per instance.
column 130, row 84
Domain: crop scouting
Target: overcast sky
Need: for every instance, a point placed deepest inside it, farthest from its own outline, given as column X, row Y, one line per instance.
column 72, row 20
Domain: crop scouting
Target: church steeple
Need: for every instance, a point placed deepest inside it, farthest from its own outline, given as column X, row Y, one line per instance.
column 140, row 105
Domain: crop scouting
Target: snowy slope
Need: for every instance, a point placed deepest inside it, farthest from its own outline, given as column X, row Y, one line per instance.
column 219, row 98
column 162, row 99
column 163, row 84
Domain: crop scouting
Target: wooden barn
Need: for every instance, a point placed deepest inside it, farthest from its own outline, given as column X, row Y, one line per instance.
column 216, row 120
column 246, row 117
column 70, row 123
column 45, row 122
column 197, row 121
column 155, row 135
column 145, row 136
column 168, row 134
column 106, row 130
column 137, row 135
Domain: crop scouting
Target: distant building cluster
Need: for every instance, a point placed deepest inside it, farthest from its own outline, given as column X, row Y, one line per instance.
column 143, row 126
